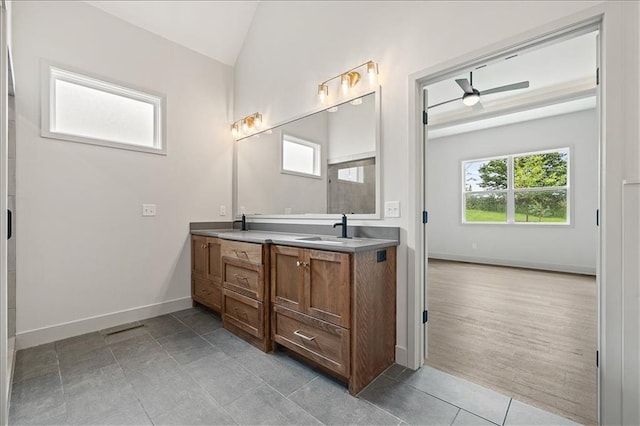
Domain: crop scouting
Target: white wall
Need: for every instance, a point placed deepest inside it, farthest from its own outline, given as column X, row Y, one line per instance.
column 352, row 131
column 403, row 37
column 83, row 248
column 570, row 248
column 264, row 189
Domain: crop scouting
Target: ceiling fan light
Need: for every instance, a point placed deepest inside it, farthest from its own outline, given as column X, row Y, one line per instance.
column 470, row 99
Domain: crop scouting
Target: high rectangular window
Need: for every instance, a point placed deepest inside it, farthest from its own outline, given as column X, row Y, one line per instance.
column 521, row 188
column 300, row 157
column 80, row 108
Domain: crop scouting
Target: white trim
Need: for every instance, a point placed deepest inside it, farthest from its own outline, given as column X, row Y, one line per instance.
column 51, row 72
column 39, row 336
column 571, row 269
column 401, row 355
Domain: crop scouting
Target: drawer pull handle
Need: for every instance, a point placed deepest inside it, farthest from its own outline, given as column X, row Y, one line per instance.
column 241, row 278
column 302, row 336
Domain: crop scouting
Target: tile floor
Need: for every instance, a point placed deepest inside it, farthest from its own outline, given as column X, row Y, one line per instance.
column 184, row 368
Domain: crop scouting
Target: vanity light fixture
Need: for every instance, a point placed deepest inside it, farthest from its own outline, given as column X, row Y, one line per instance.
column 247, row 124
column 348, row 79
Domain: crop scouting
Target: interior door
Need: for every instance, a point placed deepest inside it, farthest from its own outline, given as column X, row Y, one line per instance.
column 4, row 326
column 425, row 276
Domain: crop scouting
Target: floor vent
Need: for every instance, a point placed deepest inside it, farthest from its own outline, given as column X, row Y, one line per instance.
column 132, row 327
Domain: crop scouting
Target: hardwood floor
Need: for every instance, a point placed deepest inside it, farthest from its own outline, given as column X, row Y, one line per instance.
column 525, row 333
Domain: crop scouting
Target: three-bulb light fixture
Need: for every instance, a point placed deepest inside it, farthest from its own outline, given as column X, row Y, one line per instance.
column 247, row 124
column 348, row 79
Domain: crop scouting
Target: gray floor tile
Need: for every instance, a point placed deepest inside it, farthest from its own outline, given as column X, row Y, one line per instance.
column 37, row 400
column 278, row 370
column 195, row 412
column 331, row 403
column 138, row 350
column 164, row 325
column 476, row 399
column 265, row 406
column 523, row 414
column 408, row 403
column 78, row 344
column 102, row 396
column 162, row 385
column 78, row 363
column 224, row 341
column 464, row 418
column 394, row 371
column 222, row 377
column 53, row 420
column 199, row 320
column 34, row 362
column 186, row 346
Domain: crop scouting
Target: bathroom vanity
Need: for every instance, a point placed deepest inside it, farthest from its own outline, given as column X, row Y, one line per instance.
column 327, row 300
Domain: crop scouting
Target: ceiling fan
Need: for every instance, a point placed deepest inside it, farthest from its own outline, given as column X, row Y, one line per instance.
column 471, row 96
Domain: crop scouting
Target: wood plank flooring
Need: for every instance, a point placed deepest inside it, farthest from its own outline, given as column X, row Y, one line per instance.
column 525, row 333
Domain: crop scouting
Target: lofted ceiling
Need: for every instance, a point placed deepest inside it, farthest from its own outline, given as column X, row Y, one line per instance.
column 559, row 74
column 216, row 29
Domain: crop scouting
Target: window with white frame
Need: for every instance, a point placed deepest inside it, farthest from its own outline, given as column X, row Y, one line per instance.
column 80, row 108
column 300, row 156
column 521, row 188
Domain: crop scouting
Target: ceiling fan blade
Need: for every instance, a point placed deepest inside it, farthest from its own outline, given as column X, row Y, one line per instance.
column 442, row 103
column 465, row 85
column 514, row 86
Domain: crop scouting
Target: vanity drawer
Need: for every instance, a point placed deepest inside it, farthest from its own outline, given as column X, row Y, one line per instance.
column 243, row 312
column 208, row 293
column 243, row 277
column 244, row 251
column 320, row 341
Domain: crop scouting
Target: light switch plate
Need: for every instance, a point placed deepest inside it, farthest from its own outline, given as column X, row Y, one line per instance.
column 392, row 209
column 148, row 210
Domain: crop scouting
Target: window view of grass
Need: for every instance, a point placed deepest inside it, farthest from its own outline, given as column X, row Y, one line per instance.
column 538, row 188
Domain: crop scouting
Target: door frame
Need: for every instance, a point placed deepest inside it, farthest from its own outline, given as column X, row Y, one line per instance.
column 609, row 16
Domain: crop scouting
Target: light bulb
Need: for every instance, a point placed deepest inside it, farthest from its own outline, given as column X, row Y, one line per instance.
column 258, row 120
column 344, row 82
column 470, row 99
column 234, row 129
column 323, row 92
column 372, row 71
column 245, row 125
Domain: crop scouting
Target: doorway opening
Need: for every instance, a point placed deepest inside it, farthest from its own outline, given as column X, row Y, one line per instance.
column 512, row 172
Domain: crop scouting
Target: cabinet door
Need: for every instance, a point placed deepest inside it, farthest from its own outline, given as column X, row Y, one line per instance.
column 287, row 277
column 198, row 256
column 326, row 289
column 213, row 265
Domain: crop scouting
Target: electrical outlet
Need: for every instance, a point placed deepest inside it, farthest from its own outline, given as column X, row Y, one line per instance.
column 392, row 209
column 223, row 210
column 148, row 210
column 474, row 245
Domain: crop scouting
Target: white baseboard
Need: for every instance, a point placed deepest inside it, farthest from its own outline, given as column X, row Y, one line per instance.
column 572, row 269
column 29, row 338
column 402, row 357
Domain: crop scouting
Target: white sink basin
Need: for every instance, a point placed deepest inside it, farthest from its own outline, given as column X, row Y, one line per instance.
column 324, row 240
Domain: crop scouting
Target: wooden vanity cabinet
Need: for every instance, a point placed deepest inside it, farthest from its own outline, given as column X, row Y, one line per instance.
column 245, row 300
column 336, row 310
column 206, row 277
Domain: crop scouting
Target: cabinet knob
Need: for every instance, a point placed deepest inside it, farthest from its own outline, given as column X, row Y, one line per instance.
column 298, row 263
column 301, row 263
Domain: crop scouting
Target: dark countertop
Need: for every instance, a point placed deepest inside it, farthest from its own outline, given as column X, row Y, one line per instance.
column 318, row 242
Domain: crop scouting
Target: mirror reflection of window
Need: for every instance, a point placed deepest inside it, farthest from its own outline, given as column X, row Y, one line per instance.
column 352, row 174
column 300, row 156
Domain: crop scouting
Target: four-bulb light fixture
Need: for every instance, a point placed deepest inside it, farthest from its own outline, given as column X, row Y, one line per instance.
column 247, row 124
column 348, row 79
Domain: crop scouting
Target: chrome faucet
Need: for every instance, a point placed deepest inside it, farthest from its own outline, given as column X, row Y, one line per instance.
column 343, row 224
column 243, row 222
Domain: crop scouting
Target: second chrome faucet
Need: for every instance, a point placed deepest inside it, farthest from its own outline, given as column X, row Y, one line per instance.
column 343, row 224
